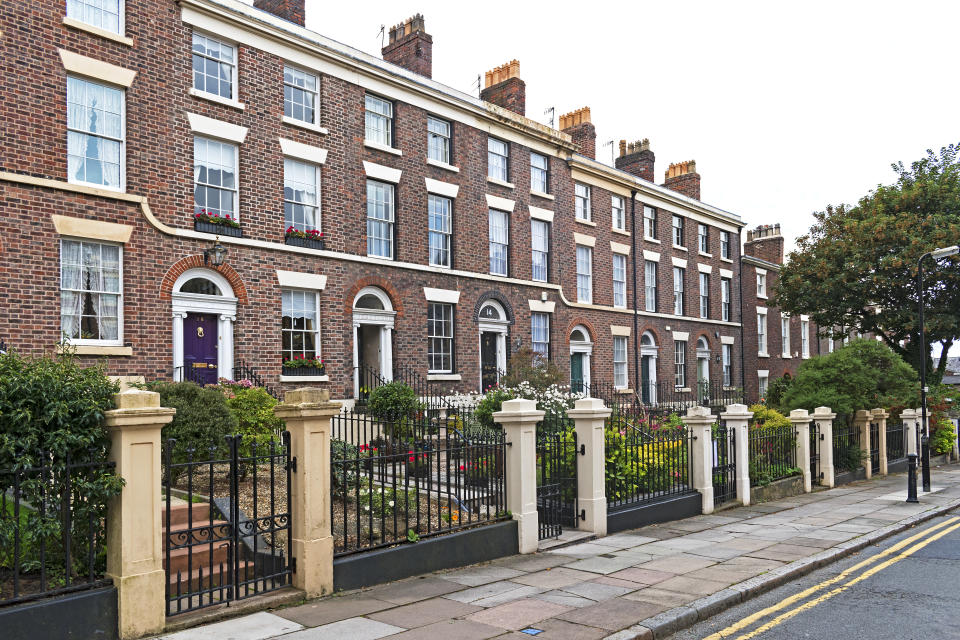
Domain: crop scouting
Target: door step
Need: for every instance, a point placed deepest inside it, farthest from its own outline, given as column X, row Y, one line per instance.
column 566, row 539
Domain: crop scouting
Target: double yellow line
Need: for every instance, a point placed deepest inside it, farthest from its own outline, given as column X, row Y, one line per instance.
column 951, row 524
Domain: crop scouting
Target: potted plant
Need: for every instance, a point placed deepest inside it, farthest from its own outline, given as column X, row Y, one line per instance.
column 213, row 222
column 310, row 239
column 302, row 366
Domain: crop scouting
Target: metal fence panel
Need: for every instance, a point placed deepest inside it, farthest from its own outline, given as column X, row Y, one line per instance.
column 557, row 457
column 724, row 472
column 772, row 454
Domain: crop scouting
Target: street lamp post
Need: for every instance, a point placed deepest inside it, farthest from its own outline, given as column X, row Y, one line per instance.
column 925, row 437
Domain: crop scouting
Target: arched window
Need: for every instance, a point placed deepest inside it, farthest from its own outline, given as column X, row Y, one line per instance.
column 202, row 286
column 491, row 311
column 647, row 340
column 702, row 344
column 579, row 334
column 373, row 299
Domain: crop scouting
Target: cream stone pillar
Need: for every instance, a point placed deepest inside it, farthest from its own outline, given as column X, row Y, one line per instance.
column 910, row 419
column 307, row 413
column 824, row 419
column 519, row 420
column 861, row 422
column 880, row 417
column 590, row 415
column 737, row 418
column 699, row 421
column 134, row 543
column 801, row 425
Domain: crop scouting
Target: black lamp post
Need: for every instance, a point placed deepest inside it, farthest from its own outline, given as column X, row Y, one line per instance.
column 925, row 437
column 215, row 255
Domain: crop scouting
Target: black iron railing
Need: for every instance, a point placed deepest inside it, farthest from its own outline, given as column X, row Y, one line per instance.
column 848, row 455
column 557, row 461
column 227, row 529
column 243, row 371
column 666, row 398
column 874, row 447
column 404, row 478
column 816, row 436
column 896, row 441
column 772, row 454
column 53, row 527
column 724, row 472
column 647, row 459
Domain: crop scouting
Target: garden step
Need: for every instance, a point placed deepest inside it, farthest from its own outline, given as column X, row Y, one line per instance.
column 201, row 531
column 181, row 513
column 210, row 578
column 199, row 556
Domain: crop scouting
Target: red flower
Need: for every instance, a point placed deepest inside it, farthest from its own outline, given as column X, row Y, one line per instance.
column 410, row 459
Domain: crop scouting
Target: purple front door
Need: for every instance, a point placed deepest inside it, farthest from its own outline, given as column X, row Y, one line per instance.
column 200, row 348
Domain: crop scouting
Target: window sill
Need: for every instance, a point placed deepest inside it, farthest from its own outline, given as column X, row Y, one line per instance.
column 624, row 390
column 443, row 165
column 761, row 297
column 97, row 31
column 728, row 388
column 305, row 125
column 763, row 355
column 653, row 240
column 679, row 248
column 203, row 95
column 726, row 259
column 620, row 231
column 304, row 378
column 705, row 255
column 541, row 194
column 589, row 223
column 96, row 350
column 682, row 389
column 382, row 147
column 786, row 357
column 498, row 181
column 443, row 377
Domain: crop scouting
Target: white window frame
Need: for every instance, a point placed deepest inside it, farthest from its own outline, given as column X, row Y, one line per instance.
column 678, row 277
column 617, row 213
column 307, row 293
column 390, row 221
column 314, row 92
column 650, row 269
column 491, row 215
column 234, row 93
column 725, row 245
column 372, row 117
column 726, row 351
column 433, row 335
column 725, row 299
column 581, row 202
column 704, row 295
column 703, row 238
column 762, row 334
column 620, row 362
column 316, row 206
column 763, row 383
column 804, row 338
column 543, row 224
column 119, row 293
column 619, row 283
column 496, row 165
column 785, row 335
column 122, row 140
column 447, row 235
column 584, row 274
column 679, row 231
column 535, row 170
column 535, row 318
column 649, row 223
column 436, row 140
column 121, row 26
column 761, row 285
column 680, row 364
column 236, row 175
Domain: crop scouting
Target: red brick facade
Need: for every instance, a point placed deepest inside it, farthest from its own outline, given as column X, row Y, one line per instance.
column 163, row 244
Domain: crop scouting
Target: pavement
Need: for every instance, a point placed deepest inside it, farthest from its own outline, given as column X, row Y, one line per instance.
column 645, row 583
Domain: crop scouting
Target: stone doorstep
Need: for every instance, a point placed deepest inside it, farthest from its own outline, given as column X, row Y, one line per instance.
column 266, row 602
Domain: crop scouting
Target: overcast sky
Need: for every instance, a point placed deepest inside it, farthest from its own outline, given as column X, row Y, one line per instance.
column 785, row 107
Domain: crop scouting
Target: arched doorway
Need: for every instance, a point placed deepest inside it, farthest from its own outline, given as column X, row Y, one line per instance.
column 648, row 368
column 373, row 319
column 581, row 348
column 494, row 326
column 703, row 370
column 204, row 311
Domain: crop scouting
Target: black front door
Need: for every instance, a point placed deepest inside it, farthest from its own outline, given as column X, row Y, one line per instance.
column 488, row 360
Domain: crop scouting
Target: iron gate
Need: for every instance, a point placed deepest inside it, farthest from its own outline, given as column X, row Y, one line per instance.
column 815, row 436
column 875, row 447
column 724, row 463
column 226, row 525
column 557, row 454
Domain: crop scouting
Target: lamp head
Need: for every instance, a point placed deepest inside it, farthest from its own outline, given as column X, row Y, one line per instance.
column 946, row 251
column 215, row 255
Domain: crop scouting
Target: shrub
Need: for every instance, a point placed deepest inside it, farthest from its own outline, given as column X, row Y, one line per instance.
column 777, row 390
column 253, row 408
column 491, row 402
column 397, row 404
column 202, row 421
column 766, row 418
column 942, row 437
column 527, row 366
column 864, row 374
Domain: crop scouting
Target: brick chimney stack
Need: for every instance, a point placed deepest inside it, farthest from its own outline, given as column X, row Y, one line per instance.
column 766, row 243
column 411, row 47
column 577, row 124
column 503, row 87
column 682, row 177
column 636, row 158
column 291, row 10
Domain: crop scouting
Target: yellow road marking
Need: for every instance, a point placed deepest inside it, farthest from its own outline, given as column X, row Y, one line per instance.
column 786, row 602
column 866, row 574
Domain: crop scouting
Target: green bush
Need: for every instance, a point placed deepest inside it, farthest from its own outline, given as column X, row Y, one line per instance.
column 397, row 404
column 766, row 418
column 530, row 367
column 256, row 422
column 491, row 402
column 777, row 390
column 203, row 418
column 864, row 374
column 942, row 438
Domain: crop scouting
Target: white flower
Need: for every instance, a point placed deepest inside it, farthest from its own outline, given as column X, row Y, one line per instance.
column 366, row 507
column 391, row 503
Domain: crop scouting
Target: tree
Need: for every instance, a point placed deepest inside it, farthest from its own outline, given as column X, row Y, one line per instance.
column 526, row 365
column 864, row 374
column 856, row 268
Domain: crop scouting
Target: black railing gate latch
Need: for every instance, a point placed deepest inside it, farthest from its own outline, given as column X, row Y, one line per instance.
column 583, row 449
column 293, row 564
column 292, row 465
column 583, row 514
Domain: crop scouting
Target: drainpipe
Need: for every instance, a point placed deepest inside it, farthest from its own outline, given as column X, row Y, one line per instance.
column 743, row 371
column 636, row 318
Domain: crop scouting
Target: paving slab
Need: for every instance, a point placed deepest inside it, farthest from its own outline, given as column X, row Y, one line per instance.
column 603, row 564
column 483, row 591
column 476, row 576
column 256, row 626
column 680, row 563
column 407, row 591
column 518, row 614
column 612, row 615
column 565, row 598
column 663, row 599
column 521, row 592
column 349, row 629
column 555, row 629
column 534, row 562
column 554, row 578
column 643, row 575
column 424, row 612
column 698, row 586
column 459, row 629
column 597, row 591
column 318, row 612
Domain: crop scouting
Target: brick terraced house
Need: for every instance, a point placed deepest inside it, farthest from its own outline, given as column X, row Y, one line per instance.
column 454, row 229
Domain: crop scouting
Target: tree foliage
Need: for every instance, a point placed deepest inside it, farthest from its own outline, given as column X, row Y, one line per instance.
column 203, row 418
column 856, row 268
column 525, row 365
column 864, row 374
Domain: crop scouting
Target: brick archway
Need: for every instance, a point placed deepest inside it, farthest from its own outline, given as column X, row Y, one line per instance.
column 591, row 332
column 390, row 290
column 196, row 262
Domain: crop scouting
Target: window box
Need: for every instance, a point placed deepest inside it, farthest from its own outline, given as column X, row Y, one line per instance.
column 308, row 368
column 206, row 224
column 312, row 239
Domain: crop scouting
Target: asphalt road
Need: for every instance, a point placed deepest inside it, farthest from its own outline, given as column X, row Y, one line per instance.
column 911, row 592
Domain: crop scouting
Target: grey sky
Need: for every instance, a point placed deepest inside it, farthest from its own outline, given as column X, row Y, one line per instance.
column 785, row 107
